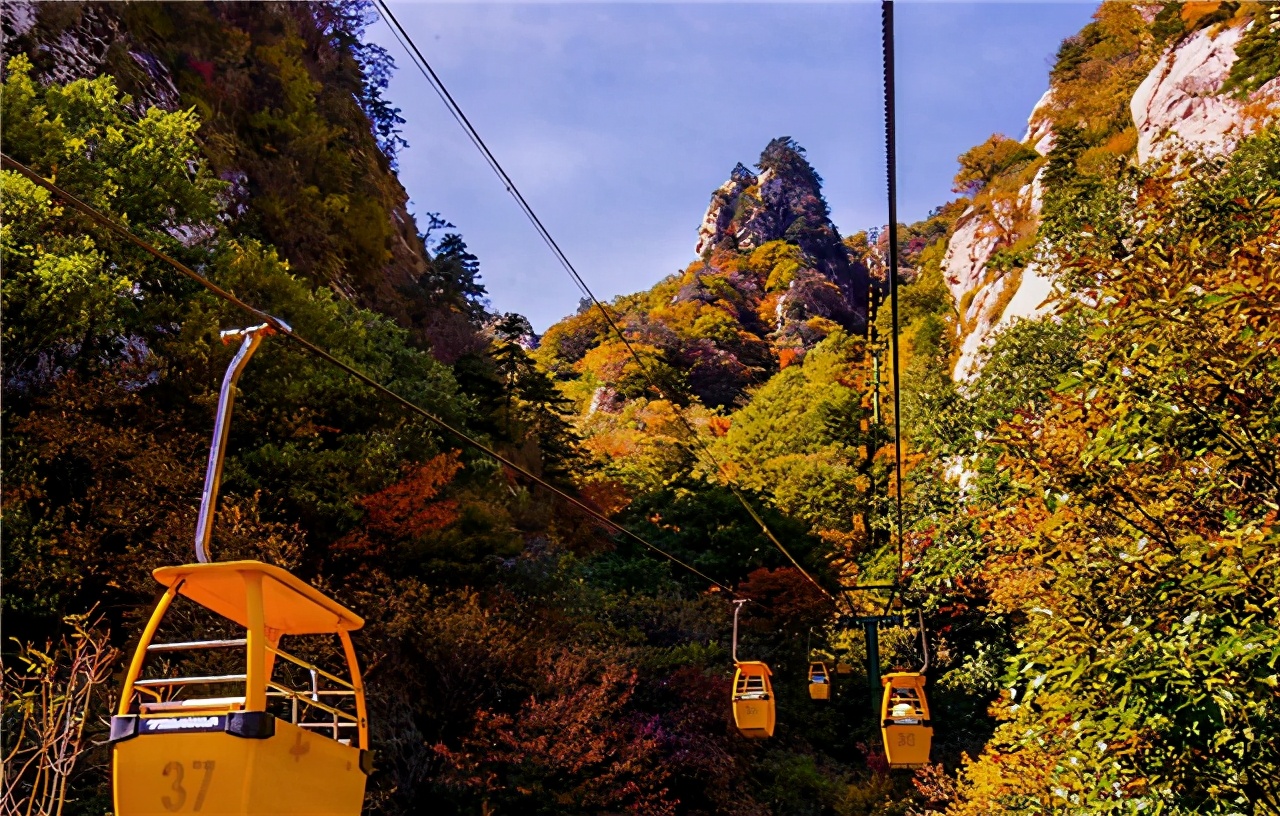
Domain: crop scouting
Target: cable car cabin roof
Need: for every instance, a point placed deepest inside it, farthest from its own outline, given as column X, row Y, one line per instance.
column 290, row 605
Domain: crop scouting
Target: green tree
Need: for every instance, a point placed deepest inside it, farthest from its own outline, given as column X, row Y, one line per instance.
column 980, row 164
column 73, row 295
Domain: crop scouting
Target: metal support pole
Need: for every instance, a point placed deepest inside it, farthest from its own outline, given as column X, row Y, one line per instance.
column 924, row 641
column 871, row 627
column 226, row 398
column 255, row 684
column 875, row 387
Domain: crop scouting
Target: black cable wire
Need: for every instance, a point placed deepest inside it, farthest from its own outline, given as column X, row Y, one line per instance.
column 891, row 170
column 284, row 328
column 455, row 110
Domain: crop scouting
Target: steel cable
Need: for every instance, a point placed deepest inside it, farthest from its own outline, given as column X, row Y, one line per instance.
column 891, row 170
column 455, row 110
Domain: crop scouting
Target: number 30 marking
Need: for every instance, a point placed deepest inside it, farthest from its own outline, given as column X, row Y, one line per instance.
column 175, row 769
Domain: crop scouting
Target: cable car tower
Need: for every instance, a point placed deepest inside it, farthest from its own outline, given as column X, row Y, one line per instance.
column 281, row 736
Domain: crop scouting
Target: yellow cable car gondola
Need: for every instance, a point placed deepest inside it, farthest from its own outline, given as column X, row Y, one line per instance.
column 754, row 709
column 819, row 681
column 753, row 706
column 904, row 720
column 248, row 743
column 228, row 754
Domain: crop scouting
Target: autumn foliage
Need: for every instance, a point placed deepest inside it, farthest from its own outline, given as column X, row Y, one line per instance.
column 1091, row 533
column 411, row 506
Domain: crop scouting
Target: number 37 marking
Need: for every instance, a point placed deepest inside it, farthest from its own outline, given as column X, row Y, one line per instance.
column 177, row 796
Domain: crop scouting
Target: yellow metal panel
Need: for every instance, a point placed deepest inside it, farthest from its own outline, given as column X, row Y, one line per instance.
column 290, row 605
column 217, row 774
column 907, row 746
column 754, row 718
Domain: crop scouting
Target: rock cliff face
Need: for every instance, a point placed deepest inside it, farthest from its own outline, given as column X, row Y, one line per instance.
column 1179, row 108
column 989, row 299
column 717, row 222
column 79, row 50
column 1039, row 127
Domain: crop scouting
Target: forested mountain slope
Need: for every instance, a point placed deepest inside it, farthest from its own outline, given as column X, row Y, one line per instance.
column 1091, row 495
column 292, row 119
column 1099, row 479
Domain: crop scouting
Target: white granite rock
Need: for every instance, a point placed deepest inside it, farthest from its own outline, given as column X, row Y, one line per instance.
column 1178, row 108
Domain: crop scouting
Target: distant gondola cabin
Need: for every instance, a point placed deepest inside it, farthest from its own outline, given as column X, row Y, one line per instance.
column 819, row 681
column 753, row 703
column 904, row 718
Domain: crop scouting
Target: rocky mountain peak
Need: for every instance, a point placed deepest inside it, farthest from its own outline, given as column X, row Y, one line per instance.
column 742, row 175
column 772, row 279
column 784, row 202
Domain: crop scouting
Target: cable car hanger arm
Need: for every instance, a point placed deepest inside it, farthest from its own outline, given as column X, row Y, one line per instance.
column 252, row 337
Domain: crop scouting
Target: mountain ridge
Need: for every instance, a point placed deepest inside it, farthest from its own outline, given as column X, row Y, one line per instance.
column 773, row 277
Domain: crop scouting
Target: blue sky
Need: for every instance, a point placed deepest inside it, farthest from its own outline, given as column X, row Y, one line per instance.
column 617, row 120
